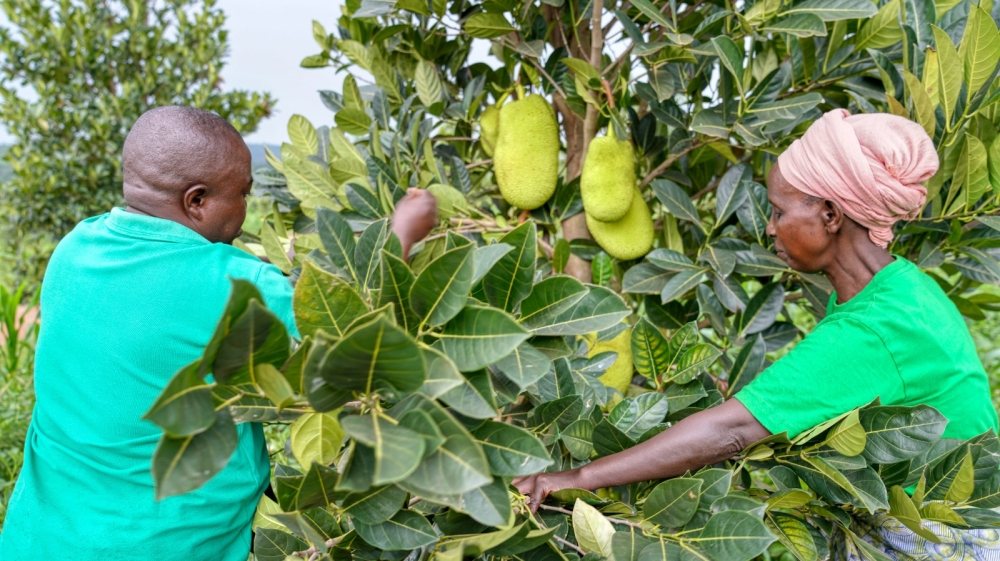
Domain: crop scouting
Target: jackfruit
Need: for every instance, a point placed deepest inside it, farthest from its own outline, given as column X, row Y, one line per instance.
column 489, row 126
column 628, row 238
column 526, row 155
column 608, row 178
column 619, row 375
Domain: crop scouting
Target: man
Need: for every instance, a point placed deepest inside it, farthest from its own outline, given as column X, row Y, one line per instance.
column 130, row 297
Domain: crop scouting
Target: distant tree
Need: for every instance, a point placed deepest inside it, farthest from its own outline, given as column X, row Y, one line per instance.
column 74, row 75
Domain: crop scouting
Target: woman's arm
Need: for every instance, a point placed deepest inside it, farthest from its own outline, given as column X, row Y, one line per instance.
column 707, row 437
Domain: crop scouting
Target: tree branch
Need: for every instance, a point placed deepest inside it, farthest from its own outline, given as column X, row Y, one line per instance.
column 666, row 164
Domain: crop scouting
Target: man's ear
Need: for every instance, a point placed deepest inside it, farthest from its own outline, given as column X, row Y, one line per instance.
column 833, row 216
column 194, row 202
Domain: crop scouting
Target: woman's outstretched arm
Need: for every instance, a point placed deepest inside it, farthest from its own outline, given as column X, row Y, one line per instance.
column 707, row 437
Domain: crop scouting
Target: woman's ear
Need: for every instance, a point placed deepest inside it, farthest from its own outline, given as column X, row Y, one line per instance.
column 833, row 216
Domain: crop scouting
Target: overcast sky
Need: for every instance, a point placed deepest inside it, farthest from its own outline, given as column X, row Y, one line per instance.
column 267, row 40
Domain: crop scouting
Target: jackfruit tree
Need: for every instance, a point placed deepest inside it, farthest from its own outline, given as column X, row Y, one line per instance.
column 553, row 318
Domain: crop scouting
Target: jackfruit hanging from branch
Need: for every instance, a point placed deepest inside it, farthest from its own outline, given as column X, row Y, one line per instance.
column 628, row 238
column 526, row 155
column 608, row 178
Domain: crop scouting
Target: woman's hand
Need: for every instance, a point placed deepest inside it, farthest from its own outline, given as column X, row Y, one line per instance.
column 415, row 216
column 540, row 485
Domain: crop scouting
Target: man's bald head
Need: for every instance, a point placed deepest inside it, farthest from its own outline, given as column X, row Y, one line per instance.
column 180, row 162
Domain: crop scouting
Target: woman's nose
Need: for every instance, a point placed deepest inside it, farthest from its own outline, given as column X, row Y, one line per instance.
column 770, row 231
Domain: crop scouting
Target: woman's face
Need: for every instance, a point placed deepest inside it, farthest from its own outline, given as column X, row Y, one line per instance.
column 798, row 225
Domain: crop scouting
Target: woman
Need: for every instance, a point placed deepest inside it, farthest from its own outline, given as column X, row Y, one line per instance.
column 890, row 331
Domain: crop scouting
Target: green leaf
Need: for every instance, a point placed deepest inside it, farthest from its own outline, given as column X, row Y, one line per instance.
column 694, row 361
column 512, row 451
column 490, row 505
column 487, row 26
column 524, row 366
column 256, row 337
column 649, row 350
column 598, row 310
column 307, row 180
column 628, row 544
column 634, row 416
column 550, row 298
column 848, row 436
column 337, row 238
column 979, row 49
column 397, row 449
column 428, row 84
column 899, row 433
column 314, row 489
column 800, row 25
column 949, row 77
column 882, row 30
column 375, row 505
column 273, row 249
column 185, row 406
column 971, row 179
column 510, row 280
column 676, row 200
column 578, row 438
column 559, row 413
column 442, row 288
column 952, row 477
column 923, row 108
column 763, row 309
column 608, row 439
column 734, row 535
column 472, row 398
column 406, row 530
column 397, row 280
column 793, row 534
column 366, row 254
column 731, row 56
column 592, row 530
column 372, row 357
column 680, row 284
column 583, row 69
column 353, row 120
column 748, row 363
column 478, row 337
column 834, row 10
column 646, row 278
column 324, row 302
column 275, row 545
column 670, row 260
column 486, row 257
column 303, row 134
column 903, row 509
column 181, row 465
column 316, row 437
column 673, row 503
column 274, row 385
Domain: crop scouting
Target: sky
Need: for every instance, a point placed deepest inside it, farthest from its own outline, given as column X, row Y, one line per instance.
column 267, row 40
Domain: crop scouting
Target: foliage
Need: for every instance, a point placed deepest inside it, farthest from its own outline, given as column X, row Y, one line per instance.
column 428, row 385
column 74, row 76
column 18, row 332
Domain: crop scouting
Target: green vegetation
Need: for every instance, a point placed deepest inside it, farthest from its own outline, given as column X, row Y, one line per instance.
column 74, row 75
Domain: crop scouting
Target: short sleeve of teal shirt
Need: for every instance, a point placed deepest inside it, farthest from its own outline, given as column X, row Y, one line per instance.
column 839, row 366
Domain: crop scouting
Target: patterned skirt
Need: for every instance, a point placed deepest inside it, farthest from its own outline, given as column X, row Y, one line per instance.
column 898, row 542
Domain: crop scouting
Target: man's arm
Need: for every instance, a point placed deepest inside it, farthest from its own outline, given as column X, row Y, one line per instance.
column 705, row 438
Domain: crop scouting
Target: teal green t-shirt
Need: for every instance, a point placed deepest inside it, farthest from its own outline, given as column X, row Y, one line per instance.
column 126, row 301
column 900, row 339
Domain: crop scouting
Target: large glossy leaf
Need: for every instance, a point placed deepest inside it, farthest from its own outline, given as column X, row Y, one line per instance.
column 650, row 350
column 634, row 416
column 366, row 253
column 478, row 337
column 578, row 438
column 673, row 502
column 525, row 365
column 314, row 489
column 185, row 406
column 256, row 337
column 511, row 450
column 628, row 544
column 397, row 449
column 645, row 278
column 489, row 505
column 316, row 437
column 397, row 280
column 734, row 535
column 680, row 284
column 895, row 434
column 592, row 530
column 324, row 301
column 550, row 298
column 442, row 288
column 694, row 361
column 406, row 530
column 338, row 239
column 979, row 49
column 181, row 465
column 375, row 505
column 731, row 192
column 950, row 65
column 377, row 355
column 951, row 478
column 274, row 545
column 487, row 256
column 609, row 439
column 676, row 200
column 598, row 310
column 509, row 281
column 902, row 508
column 762, row 309
column 834, row 10
column 472, row 398
column 748, row 363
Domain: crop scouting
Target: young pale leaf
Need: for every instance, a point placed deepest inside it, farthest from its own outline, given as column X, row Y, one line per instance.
column 273, row 248
column 275, row 386
column 478, row 337
column 979, row 49
column 428, row 84
column 673, row 503
column 181, row 465
column 316, row 437
column 592, row 530
column 903, row 509
column 324, row 302
column 848, row 436
column 793, row 534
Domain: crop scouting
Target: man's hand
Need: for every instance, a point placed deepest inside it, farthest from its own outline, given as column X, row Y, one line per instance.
column 414, row 218
column 540, row 485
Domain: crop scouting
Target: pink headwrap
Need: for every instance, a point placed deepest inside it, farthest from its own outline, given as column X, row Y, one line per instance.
column 872, row 165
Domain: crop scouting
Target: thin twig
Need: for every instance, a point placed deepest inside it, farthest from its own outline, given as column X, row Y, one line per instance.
column 569, row 544
column 449, row 138
column 612, row 520
column 666, row 164
column 479, row 163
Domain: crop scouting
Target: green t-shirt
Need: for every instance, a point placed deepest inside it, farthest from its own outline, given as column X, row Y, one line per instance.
column 900, row 339
column 126, row 301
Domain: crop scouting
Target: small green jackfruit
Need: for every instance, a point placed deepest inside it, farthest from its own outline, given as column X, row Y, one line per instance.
column 619, row 375
column 608, row 178
column 526, row 155
column 628, row 238
column 489, row 126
